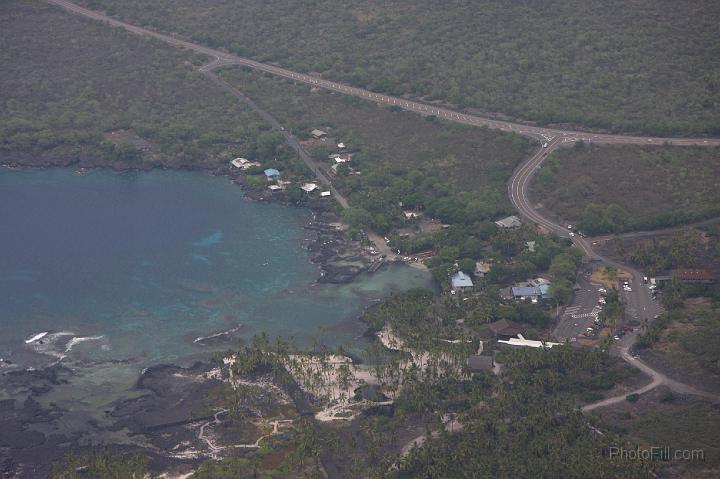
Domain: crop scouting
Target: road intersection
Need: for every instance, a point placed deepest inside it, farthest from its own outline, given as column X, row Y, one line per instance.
column 640, row 300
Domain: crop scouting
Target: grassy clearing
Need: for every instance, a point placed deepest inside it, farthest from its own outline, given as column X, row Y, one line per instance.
column 618, row 188
column 609, row 278
column 646, row 65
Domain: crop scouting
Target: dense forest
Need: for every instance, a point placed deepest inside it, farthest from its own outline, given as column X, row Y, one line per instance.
column 622, row 188
column 68, row 84
column 643, row 66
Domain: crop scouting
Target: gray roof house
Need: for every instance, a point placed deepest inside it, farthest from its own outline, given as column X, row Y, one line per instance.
column 509, row 222
column 461, row 280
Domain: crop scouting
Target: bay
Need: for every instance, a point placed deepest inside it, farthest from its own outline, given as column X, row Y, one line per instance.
column 136, row 266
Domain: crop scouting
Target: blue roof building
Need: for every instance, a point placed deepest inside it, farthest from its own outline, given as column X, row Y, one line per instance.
column 272, row 173
column 461, row 280
column 541, row 292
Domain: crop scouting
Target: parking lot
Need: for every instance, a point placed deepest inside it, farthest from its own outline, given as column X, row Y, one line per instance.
column 581, row 312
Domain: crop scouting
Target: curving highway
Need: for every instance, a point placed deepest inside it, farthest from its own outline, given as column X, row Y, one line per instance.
column 552, row 138
column 222, row 58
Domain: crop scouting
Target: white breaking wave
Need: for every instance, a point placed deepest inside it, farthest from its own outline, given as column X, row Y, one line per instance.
column 78, row 340
column 36, row 337
column 216, row 335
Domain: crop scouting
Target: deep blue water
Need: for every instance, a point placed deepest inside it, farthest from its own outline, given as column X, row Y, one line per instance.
column 146, row 262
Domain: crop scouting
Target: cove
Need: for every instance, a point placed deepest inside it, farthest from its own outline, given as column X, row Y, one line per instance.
column 133, row 267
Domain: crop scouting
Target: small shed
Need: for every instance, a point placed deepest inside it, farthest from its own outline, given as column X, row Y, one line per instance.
column 309, row 187
column 325, row 194
column 272, row 174
column 318, row 134
column 275, row 187
column 481, row 269
column 461, row 280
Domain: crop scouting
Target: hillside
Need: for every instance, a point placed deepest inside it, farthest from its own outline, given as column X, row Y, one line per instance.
column 622, row 188
column 641, row 66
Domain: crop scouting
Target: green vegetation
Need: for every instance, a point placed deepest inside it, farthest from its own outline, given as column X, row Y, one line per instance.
column 673, row 423
column 685, row 249
column 68, row 83
column 605, row 189
column 686, row 338
column 648, row 66
column 529, row 428
column 101, row 465
column 456, row 173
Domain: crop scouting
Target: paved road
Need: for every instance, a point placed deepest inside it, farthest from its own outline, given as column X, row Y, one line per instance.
column 517, row 186
column 646, row 233
column 544, row 134
column 639, row 303
column 581, row 313
column 291, row 140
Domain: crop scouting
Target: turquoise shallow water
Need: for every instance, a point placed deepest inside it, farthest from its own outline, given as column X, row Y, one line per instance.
column 141, row 264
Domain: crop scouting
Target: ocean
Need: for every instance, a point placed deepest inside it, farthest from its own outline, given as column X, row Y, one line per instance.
column 110, row 273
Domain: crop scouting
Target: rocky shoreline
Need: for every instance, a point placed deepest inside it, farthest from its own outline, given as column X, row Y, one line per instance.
column 171, row 401
column 340, row 258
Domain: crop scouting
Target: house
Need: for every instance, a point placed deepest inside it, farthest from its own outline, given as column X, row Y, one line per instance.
column 272, row 174
column 505, row 329
column 341, row 145
column 275, row 188
column 243, row 163
column 461, row 280
column 239, row 162
column 317, row 134
column 530, row 245
column 478, row 363
column 339, row 159
column 309, row 187
column 509, row 222
column 409, row 214
column 533, row 293
column 325, row 194
column 481, row 269
column 694, row 275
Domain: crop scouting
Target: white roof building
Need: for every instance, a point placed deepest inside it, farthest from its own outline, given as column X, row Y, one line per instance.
column 530, row 343
column 308, row 187
column 325, row 194
column 409, row 214
column 239, row 162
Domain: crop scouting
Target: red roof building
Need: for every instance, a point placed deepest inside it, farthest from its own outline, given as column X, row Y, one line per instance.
column 694, row 275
